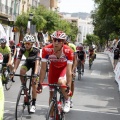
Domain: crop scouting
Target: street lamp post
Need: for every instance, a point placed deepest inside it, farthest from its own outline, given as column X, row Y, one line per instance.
column 29, row 22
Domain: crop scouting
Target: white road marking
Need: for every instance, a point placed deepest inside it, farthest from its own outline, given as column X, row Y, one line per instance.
column 111, row 74
column 95, row 72
column 92, row 111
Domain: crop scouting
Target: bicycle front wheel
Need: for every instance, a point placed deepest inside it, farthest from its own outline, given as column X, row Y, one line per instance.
column 20, row 106
column 90, row 63
column 79, row 73
column 8, row 83
column 51, row 110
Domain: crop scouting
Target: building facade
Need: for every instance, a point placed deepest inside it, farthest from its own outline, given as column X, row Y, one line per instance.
column 84, row 27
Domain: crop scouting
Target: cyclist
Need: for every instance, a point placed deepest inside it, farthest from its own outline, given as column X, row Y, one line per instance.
column 91, row 52
column 6, row 52
column 61, row 59
column 1, row 92
column 73, row 47
column 13, row 50
column 81, row 55
column 32, row 55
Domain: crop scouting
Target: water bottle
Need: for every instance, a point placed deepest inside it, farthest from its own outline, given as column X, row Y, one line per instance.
column 6, row 73
column 59, row 107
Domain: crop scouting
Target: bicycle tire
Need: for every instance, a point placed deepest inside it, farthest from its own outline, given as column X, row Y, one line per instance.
column 8, row 83
column 79, row 72
column 90, row 63
column 50, row 109
column 17, row 111
column 29, row 103
column 62, row 115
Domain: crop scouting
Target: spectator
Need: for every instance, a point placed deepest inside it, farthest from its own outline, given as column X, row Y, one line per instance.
column 116, row 56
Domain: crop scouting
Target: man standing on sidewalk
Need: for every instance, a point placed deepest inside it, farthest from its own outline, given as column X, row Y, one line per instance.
column 116, row 55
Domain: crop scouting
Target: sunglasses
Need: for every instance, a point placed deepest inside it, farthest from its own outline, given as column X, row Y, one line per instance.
column 58, row 40
column 27, row 43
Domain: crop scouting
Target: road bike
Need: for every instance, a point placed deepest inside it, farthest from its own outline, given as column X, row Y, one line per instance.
column 57, row 103
column 4, row 71
column 90, row 61
column 79, row 70
column 24, row 97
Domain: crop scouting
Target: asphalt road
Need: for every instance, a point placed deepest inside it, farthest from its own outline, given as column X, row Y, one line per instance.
column 96, row 96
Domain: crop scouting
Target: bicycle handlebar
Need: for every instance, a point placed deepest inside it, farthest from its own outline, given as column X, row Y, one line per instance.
column 54, row 85
column 22, row 75
column 3, row 63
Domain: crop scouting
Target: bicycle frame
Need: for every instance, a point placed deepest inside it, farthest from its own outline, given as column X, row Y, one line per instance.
column 79, row 66
column 57, row 113
column 26, row 96
column 7, row 81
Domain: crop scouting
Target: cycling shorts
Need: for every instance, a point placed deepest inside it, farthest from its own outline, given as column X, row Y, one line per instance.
column 27, row 66
column 55, row 74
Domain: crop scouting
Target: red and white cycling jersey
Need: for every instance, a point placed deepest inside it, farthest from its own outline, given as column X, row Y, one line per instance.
column 49, row 54
column 57, row 68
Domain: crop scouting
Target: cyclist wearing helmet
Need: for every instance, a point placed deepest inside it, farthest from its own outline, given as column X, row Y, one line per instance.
column 60, row 57
column 73, row 47
column 32, row 55
column 91, row 52
column 13, row 50
column 81, row 56
column 6, row 52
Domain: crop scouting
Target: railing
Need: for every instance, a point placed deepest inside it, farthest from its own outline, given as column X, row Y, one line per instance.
column 4, row 9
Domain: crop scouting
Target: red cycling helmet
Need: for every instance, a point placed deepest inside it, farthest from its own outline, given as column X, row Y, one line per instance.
column 59, row 35
column 79, row 48
column 11, row 41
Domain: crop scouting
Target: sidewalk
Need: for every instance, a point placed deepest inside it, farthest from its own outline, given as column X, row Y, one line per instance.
column 110, row 54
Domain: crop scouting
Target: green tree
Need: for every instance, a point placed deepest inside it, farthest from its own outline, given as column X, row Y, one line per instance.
column 106, row 18
column 46, row 21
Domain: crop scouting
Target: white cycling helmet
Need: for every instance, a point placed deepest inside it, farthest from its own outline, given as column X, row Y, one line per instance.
column 59, row 35
column 3, row 40
column 93, row 46
column 29, row 38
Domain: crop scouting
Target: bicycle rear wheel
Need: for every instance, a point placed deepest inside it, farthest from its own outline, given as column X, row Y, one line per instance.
column 52, row 108
column 20, row 106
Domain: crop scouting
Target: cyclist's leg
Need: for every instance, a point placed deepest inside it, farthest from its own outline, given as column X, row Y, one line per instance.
column 24, row 68
column 3, row 69
column 82, row 65
column 34, row 93
column 52, row 79
column 62, row 81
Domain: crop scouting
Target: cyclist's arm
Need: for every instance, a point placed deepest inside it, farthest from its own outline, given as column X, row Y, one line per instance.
column 74, row 62
column 15, row 52
column 18, row 60
column 42, row 71
column 69, row 74
column 37, row 63
column 10, row 58
column 43, row 65
column 84, row 55
column 16, row 65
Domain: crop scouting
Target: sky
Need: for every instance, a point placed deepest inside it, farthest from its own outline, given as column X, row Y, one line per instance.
column 73, row 6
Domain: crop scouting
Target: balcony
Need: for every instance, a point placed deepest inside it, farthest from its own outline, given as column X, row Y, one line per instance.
column 5, row 10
